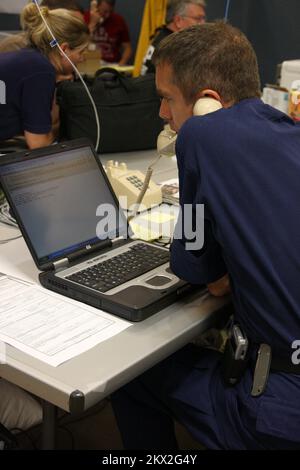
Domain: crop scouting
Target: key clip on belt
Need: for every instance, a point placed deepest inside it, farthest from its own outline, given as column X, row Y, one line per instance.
column 262, row 369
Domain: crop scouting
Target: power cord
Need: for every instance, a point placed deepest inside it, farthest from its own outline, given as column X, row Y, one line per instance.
column 24, row 433
column 2, row 242
column 165, row 148
column 227, row 11
column 8, row 438
column 70, row 434
column 6, row 217
column 67, row 419
column 144, row 188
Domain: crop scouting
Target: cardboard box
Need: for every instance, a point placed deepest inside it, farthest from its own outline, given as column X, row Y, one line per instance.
column 290, row 71
column 294, row 101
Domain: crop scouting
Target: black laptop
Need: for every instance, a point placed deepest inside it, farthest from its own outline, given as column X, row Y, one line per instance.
column 78, row 235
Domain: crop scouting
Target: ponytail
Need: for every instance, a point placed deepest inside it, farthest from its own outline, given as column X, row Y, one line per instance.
column 65, row 26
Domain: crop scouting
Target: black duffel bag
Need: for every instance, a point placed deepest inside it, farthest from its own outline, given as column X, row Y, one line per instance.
column 128, row 110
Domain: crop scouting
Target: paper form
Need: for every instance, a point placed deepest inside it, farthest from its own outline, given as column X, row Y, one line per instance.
column 48, row 326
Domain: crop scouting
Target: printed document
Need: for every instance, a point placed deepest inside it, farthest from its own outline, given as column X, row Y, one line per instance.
column 48, row 326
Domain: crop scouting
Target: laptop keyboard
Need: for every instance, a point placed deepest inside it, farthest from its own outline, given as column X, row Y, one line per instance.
column 106, row 275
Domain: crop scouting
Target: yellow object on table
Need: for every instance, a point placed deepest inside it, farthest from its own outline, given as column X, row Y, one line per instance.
column 294, row 102
column 153, row 17
column 93, row 63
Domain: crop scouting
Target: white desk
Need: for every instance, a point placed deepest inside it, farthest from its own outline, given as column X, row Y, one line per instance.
column 165, row 169
column 85, row 380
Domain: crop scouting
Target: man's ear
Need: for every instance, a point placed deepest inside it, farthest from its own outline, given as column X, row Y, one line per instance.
column 207, row 101
column 208, row 93
column 177, row 22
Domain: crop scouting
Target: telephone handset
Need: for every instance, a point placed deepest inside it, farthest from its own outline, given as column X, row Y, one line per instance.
column 166, row 142
column 167, row 138
column 206, row 105
column 132, row 184
column 127, row 185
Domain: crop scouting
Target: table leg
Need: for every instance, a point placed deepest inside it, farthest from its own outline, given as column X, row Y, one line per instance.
column 49, row 426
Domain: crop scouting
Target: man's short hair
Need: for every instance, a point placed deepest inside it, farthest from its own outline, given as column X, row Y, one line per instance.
column 216, row 56
column 178, row 7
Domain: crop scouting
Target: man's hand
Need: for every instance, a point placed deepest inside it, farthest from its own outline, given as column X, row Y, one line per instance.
column 95, row 18
column 126, row 54
column 35, row 141
column 62, row 77
column 220, row 287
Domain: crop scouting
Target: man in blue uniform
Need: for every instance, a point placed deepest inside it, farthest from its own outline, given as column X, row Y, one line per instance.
column 242, row 162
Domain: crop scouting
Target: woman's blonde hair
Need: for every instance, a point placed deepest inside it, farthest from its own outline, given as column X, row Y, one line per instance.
column 65, row 26
column 14, row 42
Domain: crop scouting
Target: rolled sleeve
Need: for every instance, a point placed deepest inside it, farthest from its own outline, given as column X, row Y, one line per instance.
column 198, row 267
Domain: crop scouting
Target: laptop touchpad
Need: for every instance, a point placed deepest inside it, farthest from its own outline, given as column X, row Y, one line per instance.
column 158, row 281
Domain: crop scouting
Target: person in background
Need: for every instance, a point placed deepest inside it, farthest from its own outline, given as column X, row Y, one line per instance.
column 30, row 74
column 242, row 162
column 109, row 32
column 71, row 5
column 180, row 14
column 14, row 42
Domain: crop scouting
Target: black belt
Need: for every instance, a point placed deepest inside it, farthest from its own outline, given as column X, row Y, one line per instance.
column 235, row 361
column 266, row 362
column 285, row 365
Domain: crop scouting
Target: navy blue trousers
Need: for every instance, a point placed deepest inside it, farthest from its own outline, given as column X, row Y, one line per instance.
column 188, row 387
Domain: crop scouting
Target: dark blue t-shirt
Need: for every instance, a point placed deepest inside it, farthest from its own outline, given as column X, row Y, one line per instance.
column 243, row 164
column 30, row 84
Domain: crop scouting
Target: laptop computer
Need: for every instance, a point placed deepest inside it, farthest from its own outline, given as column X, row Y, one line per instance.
column 78, row 235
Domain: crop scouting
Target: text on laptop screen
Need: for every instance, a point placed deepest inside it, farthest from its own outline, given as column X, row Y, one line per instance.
column 57, row 197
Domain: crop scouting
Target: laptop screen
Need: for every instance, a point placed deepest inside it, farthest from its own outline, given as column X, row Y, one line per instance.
column 62, row 200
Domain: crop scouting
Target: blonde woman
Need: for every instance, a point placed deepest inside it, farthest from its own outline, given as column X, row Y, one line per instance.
column 14, row 42
column 30, row 74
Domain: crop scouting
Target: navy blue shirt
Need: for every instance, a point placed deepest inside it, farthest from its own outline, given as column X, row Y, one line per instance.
column 243, row 164
column 30, row 84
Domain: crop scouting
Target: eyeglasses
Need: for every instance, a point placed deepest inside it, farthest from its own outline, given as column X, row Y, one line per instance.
column 198, row 19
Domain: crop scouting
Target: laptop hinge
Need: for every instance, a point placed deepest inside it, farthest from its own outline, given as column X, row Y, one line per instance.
column 115, row 240
column 61, row 263
column 88, row 249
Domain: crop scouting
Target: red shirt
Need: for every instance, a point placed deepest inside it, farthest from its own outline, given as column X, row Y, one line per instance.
column 109, row 37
